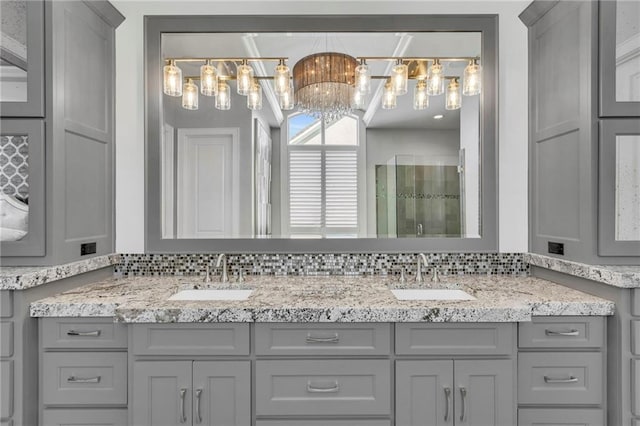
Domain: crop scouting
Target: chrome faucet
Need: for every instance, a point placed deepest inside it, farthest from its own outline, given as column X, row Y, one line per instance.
column 224, row 275
column 422, row 261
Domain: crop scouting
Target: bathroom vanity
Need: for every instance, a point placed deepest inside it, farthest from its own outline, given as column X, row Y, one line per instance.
column 322, row 350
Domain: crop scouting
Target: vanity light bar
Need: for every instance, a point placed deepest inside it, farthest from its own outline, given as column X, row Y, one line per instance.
column 175, row 85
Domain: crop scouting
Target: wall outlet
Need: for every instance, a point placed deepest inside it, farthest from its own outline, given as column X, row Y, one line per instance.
column 87, row 248
column 556, row 248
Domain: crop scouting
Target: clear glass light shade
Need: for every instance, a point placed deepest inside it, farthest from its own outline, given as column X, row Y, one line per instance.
column 223, row 98
column 358, row 101
column 281, row 77
column 363, row 79
column 453, row 97
column 244, row 79
column 388, row 97
column 208, row 80
column 435, row 79
column 190, row 96
column 420, row 97
column 472, row 82
column 254, row 97
column 399, row 78
column 286, row 99
column 172, row 80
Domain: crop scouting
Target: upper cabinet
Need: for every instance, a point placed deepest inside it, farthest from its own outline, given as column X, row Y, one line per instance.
column 584, row 184
column 22, row 58
column 619, row 58
column 56, row 155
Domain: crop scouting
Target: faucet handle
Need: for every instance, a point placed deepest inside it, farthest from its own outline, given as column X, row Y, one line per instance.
column 207, row 276
column 240, row 276
column 435, row 278
column 403, row 278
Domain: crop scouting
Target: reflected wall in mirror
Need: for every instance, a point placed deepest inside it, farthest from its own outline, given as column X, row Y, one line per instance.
column 13, row 51
column 252, row 165
column 14, row 186
column 627, row 56
column 627, row 188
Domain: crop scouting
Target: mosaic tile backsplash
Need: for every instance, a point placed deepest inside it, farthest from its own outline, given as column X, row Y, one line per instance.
column 324, row 264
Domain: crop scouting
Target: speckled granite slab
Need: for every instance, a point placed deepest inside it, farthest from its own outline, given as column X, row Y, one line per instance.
column 617, row 276
column 23, row 277
column 321, row 299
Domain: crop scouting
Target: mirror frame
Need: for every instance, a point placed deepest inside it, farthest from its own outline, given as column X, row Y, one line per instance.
column 487, row 25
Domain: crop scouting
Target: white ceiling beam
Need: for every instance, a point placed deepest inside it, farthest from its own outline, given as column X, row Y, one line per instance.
column 401, row 47
column 267, row 89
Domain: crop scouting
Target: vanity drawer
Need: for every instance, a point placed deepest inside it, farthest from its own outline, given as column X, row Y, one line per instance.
column 560, row 378
column 191, row 339
column 455, row 339
column 82, row 333
column 328, row 387
column 635, row 337
column 6, row 339
column 6, row 389
column 561, row 416
column 368, row 422
column 323, row 339
column 84, row 378
column 84, row 417
column 561, row 332
column 635, row 386
column 6, row 304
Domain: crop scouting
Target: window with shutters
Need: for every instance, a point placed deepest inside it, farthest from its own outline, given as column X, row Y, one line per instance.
column 322, row 177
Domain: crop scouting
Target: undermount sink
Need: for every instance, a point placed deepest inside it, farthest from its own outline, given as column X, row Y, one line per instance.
column 212, row 294
column 431, row 294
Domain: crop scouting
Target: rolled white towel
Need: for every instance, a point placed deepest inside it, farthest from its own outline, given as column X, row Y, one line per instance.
column 14, row 218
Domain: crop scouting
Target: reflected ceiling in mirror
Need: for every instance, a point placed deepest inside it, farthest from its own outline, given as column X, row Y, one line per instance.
column 412, row 171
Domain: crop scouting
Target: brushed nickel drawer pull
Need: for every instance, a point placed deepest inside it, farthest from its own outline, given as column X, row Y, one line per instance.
column 463, row 397
column 315, row 339
column 94, row 333
column 571, row 332
column 447, row 395
column 183, row 413
column 74, row 379
column 333, row 389
column 198, row 414
column 569, row 379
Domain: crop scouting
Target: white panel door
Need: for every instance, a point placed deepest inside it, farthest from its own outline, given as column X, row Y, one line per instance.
column 207, row 183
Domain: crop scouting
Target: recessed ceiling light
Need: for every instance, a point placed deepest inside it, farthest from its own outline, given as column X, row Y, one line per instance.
column 438, row 117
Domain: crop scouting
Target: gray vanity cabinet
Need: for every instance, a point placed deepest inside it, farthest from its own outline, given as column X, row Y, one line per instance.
column 79, row 65
column 570, row 211
column 211, row 393
column 454, row 392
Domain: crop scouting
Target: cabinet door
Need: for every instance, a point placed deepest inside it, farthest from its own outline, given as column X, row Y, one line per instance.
column 22, row 231
column 619, row 58
column 560, row 417
column 484, row 393
column 424, row 393
column 22, row 56
column 222, row 393
column 161, row 393
column 619, row 196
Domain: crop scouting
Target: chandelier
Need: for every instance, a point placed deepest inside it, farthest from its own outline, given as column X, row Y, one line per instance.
column 325, row 85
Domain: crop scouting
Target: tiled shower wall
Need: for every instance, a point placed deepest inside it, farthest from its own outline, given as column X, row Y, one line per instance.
column 324, row 264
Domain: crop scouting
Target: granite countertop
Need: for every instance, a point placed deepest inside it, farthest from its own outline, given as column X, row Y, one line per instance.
column 321, row 299
column 614, row 275
column 24, row 277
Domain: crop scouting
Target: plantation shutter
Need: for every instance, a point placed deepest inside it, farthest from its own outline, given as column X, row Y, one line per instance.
column 341, row 190
column 305, row 189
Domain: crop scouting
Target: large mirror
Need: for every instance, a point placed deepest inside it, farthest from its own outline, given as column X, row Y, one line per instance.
column 321, row 135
